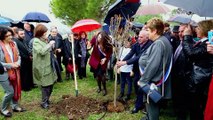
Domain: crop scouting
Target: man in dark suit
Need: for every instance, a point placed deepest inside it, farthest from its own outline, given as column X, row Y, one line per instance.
column 132, row 58
column 180, row 74
column 26, row 61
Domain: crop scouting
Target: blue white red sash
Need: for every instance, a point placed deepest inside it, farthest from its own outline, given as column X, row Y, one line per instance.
column 163, row 79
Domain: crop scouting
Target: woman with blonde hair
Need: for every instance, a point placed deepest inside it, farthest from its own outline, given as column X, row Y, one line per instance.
column 201, row 71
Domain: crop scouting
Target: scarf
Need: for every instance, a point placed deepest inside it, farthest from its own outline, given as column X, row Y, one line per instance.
column 14, row 74
column 83, row 52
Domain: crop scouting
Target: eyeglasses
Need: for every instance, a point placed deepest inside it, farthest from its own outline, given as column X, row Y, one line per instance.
column 8, row 35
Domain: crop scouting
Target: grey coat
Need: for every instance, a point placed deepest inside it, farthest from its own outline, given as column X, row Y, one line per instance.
column 4, row 76
column 152, row 63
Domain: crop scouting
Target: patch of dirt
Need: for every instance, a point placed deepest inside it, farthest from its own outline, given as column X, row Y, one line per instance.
column 77, row 107
column 118, row 108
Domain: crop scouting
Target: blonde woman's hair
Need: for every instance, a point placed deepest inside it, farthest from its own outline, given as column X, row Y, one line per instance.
column 205, row 26
column 156, row 23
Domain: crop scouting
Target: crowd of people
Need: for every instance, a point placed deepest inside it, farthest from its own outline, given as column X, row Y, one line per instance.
column 175, row 62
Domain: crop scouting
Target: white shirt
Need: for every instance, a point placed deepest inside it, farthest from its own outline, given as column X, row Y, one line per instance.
column 123, row 52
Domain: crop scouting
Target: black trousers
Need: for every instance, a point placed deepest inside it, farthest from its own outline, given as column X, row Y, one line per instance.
column 135, row 81
column 81, row 69
column 58, row 57
column 46, row 93
column 82, row 72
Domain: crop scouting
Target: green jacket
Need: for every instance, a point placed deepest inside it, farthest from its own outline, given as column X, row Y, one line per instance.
column 43, row 73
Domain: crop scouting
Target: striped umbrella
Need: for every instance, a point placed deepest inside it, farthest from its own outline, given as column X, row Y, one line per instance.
column 152, row 9
column 86, row 25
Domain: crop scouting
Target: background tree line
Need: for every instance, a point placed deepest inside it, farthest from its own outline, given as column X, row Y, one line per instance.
column 71, row 11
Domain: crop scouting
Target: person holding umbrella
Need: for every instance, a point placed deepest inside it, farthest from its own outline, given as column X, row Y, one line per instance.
column 83, row 56
column 44, row 69
column 102, row 51
column 28, row 33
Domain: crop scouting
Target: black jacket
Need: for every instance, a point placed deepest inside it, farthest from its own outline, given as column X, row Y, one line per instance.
column 28, row 36
column 67, row 50
column 136, row 50
column 23, row 49
column 202, row 62
column 181, row 71
column 58, row 41
column 1, row 69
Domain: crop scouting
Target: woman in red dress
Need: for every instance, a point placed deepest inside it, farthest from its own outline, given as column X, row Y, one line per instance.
column 102, row 50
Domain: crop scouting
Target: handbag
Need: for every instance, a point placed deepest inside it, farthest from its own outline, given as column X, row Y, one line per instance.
column 70, row 68
column 200, row 74
column 152, row 94
column 151, row 89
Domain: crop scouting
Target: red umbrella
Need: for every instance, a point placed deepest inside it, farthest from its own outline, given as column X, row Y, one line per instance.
column 86, row 25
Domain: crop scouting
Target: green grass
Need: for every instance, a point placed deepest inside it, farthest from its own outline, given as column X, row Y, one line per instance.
column 87, row 87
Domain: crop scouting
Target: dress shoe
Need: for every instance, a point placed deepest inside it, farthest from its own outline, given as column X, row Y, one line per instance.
column 6, row 114
column 144, row 111
column 98, row 90
column 45, row 105
column 19, row 109
column 135, row 110
column 104, row 92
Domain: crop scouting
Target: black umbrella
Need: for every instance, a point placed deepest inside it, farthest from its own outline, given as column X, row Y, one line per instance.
column 123, row 8
column 17, row 24
column 137, row 25
column 36, row 17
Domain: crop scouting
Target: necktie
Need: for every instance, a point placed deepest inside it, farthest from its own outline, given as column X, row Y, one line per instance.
column 178, row 50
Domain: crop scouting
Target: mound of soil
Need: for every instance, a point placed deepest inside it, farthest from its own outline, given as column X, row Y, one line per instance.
column 77, row 107
column 118, row 108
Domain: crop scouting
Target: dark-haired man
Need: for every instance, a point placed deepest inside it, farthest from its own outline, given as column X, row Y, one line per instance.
column 26, row 61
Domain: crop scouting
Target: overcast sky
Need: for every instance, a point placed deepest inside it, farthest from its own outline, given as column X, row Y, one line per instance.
column 17, row 9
